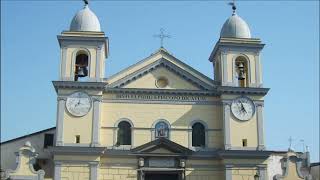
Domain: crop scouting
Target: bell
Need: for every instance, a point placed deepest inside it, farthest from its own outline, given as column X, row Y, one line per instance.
column 82, row 71
column 241, row 66
column 242, row 75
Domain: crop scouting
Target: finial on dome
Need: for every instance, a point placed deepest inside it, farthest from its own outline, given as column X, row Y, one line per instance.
column 86, row 2
column 234, row 7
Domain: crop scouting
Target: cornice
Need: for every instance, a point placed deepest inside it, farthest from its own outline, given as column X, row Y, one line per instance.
column 240, row 90
column 161, row 91
column 75, row 150
column 78, row 85
column 244, row 154
column 234, row 43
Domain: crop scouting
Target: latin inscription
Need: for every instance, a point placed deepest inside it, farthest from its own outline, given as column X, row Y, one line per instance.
column 161, row 97
column 157, row 162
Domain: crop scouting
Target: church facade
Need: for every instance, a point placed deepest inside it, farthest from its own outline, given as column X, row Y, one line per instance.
column 159, row 118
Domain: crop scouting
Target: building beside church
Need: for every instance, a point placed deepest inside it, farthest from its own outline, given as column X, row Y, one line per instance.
column 157, row 119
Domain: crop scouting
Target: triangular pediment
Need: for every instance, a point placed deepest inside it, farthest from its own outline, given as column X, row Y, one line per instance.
column 160, row 65
column 162, row 146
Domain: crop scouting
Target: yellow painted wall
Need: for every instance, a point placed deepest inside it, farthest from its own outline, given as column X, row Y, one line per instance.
column 75, row 172
column 78, row 125
column 73, row 126
column 110, row 169
column 243, row 130
column 144, row 115
column 243, row 173
column 149, row 80
column 204, row 169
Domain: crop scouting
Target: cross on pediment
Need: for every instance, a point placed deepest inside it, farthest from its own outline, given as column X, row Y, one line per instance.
column 162, row 36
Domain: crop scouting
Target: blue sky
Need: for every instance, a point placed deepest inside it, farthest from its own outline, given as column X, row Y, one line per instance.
column 290, row 29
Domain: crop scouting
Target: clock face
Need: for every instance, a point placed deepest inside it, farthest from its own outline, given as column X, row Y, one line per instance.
column 78, row 104
column 242, row 108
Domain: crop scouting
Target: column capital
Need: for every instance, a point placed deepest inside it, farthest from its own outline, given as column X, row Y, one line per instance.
column 226, row 102
column 259, row 103
column 96, row 98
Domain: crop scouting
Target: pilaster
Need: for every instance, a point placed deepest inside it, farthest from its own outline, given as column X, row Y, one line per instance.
column 96, row 121
column 224, row 68
column 258, row 70
column 226, row 124
column 60, row 116
column 57, row 170
column 63, row 64
column 93, row 170
column 98, row 64
column 262, row 171
column 228, row 172
column 260, row 129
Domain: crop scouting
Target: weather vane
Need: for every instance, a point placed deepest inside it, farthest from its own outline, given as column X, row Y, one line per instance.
column 162, row 36
column 233, row 4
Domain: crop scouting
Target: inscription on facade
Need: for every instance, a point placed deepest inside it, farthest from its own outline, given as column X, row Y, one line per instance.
column 157, row 162
column 161, row 97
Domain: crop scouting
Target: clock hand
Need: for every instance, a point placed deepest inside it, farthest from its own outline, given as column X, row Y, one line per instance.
column 242, row 107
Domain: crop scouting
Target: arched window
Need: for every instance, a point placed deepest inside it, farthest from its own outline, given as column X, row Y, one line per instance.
column 162, row 130
column 242, row 71
column 81, row 66
column 124, row 133
column 198, row 135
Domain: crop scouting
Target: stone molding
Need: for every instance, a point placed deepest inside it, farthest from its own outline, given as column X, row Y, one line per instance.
column 26, row 156
column 169, row 66
column 78, row 85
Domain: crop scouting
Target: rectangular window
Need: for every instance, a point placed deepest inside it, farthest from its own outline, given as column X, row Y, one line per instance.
column 48, row 140
column 244, row 142
column 77, row 139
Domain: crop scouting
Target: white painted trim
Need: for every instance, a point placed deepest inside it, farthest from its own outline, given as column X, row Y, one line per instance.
column 260, row 129
column 59, row 124
column 96, row 122
column 57, row 171
column 226, row 126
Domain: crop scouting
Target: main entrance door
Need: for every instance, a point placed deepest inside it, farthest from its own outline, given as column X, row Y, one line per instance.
column 152, row 176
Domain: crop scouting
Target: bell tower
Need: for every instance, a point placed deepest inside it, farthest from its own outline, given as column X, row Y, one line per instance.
column 236, row 55
column 238, row 76
column 84, row 49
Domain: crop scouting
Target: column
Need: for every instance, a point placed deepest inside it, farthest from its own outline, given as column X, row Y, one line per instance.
column 95, row 142
column 93, row 170
column 226, row 125
column 228, row 172
column 60, row 116
column 260, row 128
column 57, row 171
